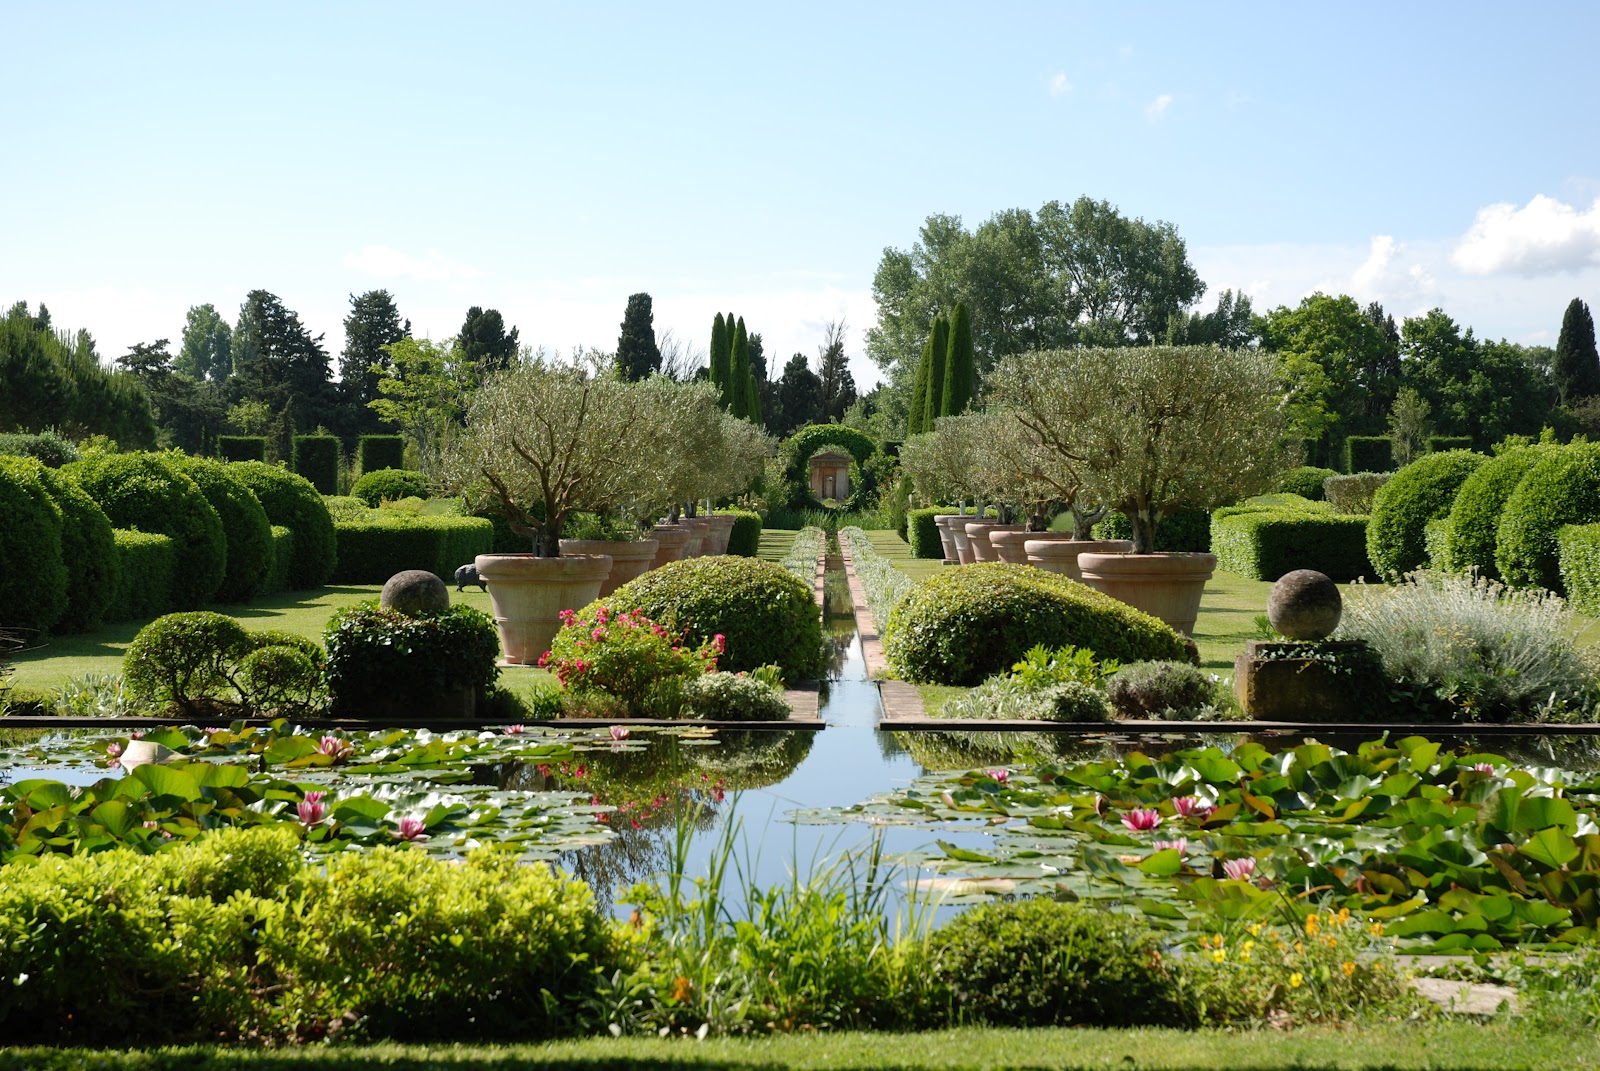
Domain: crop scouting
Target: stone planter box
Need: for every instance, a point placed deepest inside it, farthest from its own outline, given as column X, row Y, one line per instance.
column 672, row 543
column 978, row 539
column 721, row 529
column 1010, row 543
column 947, row 538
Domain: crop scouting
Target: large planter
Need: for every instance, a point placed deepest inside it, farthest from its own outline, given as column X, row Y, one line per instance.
column 672, row 543
column 1057, row 552
column 698, row 530
column 1167, row 586
column 978, row 547
column 1009, row 546
column 721, row 529
column 528, row 594
column 629, row 557
column 947, row 538
column 985, row 549
column 958, row 532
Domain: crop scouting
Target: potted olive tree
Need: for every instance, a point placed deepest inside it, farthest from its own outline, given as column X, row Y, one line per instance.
column 1152, row 430
column 942, row 465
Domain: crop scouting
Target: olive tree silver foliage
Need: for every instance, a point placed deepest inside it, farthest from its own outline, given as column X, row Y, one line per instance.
column 1151, row 429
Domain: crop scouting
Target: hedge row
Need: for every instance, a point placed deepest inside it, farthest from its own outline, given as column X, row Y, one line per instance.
column 1438, row 444
column 373, row 549
column 1579, row 553
column 277, row 578
column 1265, row 543
column 1368, row 453
column 391, row 484
column 1561, row 488
column 1187, row 530
column 745, row 537
column 1423, row 491
column 1306, row 481
column 377, row 452
column 1471, row 536
column 46, row 446
column 244, row 524
column 316, row 457
column 33, row 578
column 146, row 564
column 923, row 534
column 242, row 447
column 87, row 544
column 291, row 501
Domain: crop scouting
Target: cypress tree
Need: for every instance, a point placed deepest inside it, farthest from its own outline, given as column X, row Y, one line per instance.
column 958, row 364
column 719, row 339
column 1577, row 365
column 735, row 396
column 917, row 415
column 936, row 373
column 752, row 407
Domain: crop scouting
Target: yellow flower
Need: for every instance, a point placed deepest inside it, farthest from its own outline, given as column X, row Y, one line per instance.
column 1295, row 979
column 1344, row 915
column 1349, row 968
column 1219, row 955
column 680, row 988
column 1248, row 945
column 1255, row 930
column 1376, row 929
column 1298, row 947
column 1311, row 925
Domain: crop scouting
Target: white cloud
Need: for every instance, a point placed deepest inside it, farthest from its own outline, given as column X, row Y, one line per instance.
column 1544, row 237
column 387, row 263
column 1059, row 86
column 1158, row 107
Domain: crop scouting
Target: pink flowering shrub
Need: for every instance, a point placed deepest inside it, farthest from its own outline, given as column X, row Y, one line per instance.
column 626, row 656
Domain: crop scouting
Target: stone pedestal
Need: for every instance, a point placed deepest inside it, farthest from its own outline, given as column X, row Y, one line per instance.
column 1310, row 682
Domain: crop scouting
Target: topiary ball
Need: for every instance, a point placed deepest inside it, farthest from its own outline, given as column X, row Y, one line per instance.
column 244, row 523
column 291, row 501
column 33, row 577
column 391, row 485
column 1561, row 488
column 413, row 592
column 1471, row 534
column 1401, row 509
column 1305, row 605
column 151, row 493
column 185, row 659
column 765, row 613
column 962, row 625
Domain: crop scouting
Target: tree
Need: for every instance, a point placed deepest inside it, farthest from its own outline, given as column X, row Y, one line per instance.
column 939, row 354
column 485, row 342
column 958, row 370
column 719, row 355
column 206, row 347
column 1333, row 357
column 54, row 379
column 277, row 362
column 1231, row 325
column 638, row 356
column 917, row 412
column 424, row 388
column 1577, row 364
column 189, row 413
column 737, row 398
column 799, row 397
column 838, row 385
column 373, row 324
column 1410, row 424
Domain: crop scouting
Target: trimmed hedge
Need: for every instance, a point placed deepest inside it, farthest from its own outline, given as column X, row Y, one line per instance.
column 745, row 537
column 291, row 501
column 46, row 447
column 33, row 577
column 244, row 524
column 1354, row 493
column 923, row 534
column 377, row 452
column 1186, row 530
column 391, row 484
column 1562, row 487
column 277, row 578
column 87, row 549
column 1421, row 492
column 316, row 457
column 377, row 655
column 373, row 549
column 1368, row 453
column 959, row 626
column 1578, row 549
column 1438, row 444
column 765, row 614
column 242, row 447
column 1306, row 481
column 799, row 448
column 1471, row 530
column 1435, row 542
column 146, row 563
column 1264, row 544
column 149, row 492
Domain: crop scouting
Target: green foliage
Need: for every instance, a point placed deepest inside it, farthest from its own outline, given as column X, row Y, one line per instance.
column 146, row 565
column 1562, row 487
column 1423, row 491
column 1438, row 444
column 389, row 483
column 638, row 355
column 720, row 355
column 244, row 524
column 959, row 372
column 33, row 578
column 883, row 584
column 242, row 447
column 277, row 578
column 1306, row 481
column 734, row 697
column 1041, row 667
column 377, row 452
column 47, row 447
column 206, row 664
column 1353, row 493
column 149, row 492
column 1579, row 556
column 385, row 542
column 800, row 447
column 87, row 547
column 56, row 379
column 1185, row 530
column 744, row 539
column 1368, row 453
column 375, row 652
column 627, row 657
column 1263, row 544
column 939, row 343
column 1471, row 536
column 293, row 502
column 1576, row 367
column 766, row 614
column 1045, row 963
column 962, row 625
column 1172, row 690
column 316, row 457
column 923, row 533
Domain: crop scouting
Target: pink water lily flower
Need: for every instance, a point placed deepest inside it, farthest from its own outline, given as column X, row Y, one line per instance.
column 411, row 828
column 1239, row 869
column 1001, row 776
column 335, row 748
column 1484, row 767
column 1181, row 845
column 1193, row 806
column 311, row 809
column 619, row 732
column 113, row 754
column 513, row 730
column 1142, row 819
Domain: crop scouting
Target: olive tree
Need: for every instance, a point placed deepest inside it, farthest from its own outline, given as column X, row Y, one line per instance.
column 941, row 463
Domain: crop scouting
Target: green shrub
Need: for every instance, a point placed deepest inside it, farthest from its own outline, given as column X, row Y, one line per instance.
column 1421, row 492
column 1306, row 481
column 1438, row 444
column 23, row 702
column 1186, row 530
column 346, row 508
column 1435, row 538
column 1561, row 488
column 962, row 625
column 386, row 542
column 1368, row 453
column 1472, row 527
column 1579, row 555
column 391, row 484
column 184, row 659
column 1045, row 963
column 87, row 547
column 146, row 564
column 377, row 452
column 374, row 652
column 745, row 537
column 291, row 501
column 733, row 697
column 244, row 523
column 277, row 578
column 1265, row 544
column 1004, row 698
column 149, row 492
column 34, row 582
column 1145, row 690
column 923, row 532
column 766, row 615
column 47, row 447
column 242, row 447
column 316, row 457
column 1354, row 493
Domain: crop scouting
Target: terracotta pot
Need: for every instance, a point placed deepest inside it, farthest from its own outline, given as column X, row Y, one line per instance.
column 629, row 557
column 1009, row 545
column 978, row 540
column 985, row 549
column 1167, row 586
column 721, row 528
column 672, row 543
column 528, row 594
column 958, row 532
column 698, row 530
column 947, row 538
column 1057, row 552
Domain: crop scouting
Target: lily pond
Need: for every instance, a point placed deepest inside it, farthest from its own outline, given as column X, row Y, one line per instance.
column 1448, row 846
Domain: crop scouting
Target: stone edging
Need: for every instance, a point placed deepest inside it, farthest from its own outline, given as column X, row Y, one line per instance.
column 897, row 699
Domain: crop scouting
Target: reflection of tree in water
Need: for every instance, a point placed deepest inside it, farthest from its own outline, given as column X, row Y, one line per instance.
column 966, row 751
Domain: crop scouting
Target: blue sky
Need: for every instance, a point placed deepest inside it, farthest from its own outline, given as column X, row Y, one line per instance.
column 549, row 160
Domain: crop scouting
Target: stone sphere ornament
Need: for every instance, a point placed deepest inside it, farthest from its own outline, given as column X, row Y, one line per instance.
column 1305, row 605
column 415, row 591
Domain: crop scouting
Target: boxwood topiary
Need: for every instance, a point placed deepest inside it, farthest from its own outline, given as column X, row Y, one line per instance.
column 733, row 697
column 1263, row 544
column 277, row 578
column 745, row 537
column 1047, row 963
column 376, row 452
column 291, row 501
column 1472, row 527
column 242, row 447
column 1401, row 509
column 33, row 579
column 1562, row 487
column 47, row 447
column 1368, row 453
column 150, row 493
column 146, row 564
column 1306, row 481
column 88, row 549
column 1438, row 444
column 765, row 614
column 962, row 625
column 922, row 531
column 385, row 542
column 1579, row 552
column 392, row 484
column 1186, row 530
column 316, row 457
column 374, row 652
column 244, row 522
column 184, row 659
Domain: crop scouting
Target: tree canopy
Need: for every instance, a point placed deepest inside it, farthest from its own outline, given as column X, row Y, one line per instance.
column 638, row 356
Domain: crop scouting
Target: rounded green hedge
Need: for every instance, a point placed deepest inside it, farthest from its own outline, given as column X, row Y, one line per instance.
column 1306, row 481
column 1562, row 487
column 744, row 539
column 962, row 625
column 391, row 484
column 150, row 493
column 88, row 548
column 33, row 578
column 244, row 522
column 1471, row 528
column 291, row 501
column 1401, row 509
column 766, row 615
